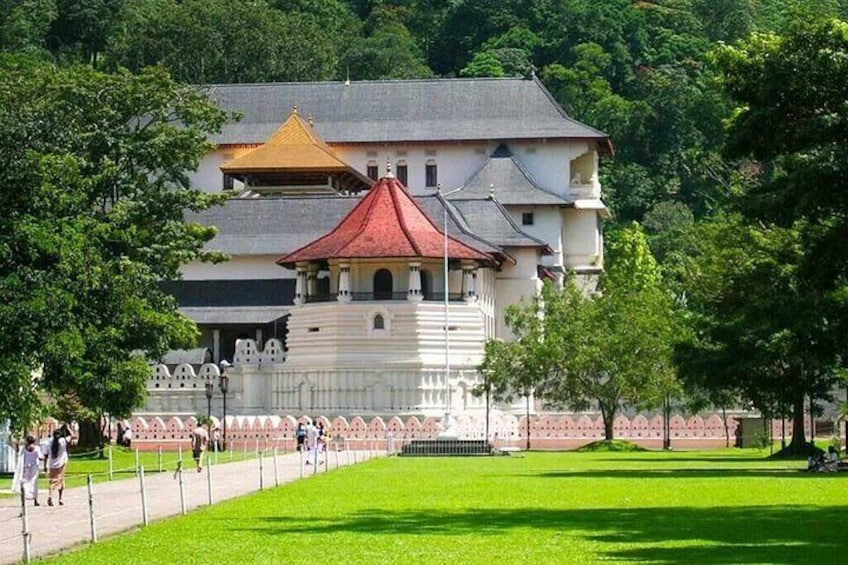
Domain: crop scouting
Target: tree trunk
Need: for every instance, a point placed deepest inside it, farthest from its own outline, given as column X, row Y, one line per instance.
column 90, row 435
column 799, row 440
column 608, row 416
column 726, row 427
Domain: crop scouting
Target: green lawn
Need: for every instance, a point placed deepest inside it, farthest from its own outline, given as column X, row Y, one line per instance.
column 725, row 506
column 123, row 466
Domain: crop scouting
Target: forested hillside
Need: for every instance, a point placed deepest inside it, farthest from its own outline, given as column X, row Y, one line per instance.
column 637, row 70
column 728, row 118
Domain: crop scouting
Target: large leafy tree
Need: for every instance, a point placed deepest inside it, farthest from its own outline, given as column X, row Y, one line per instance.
column 94, row 169
column 759, row 330
column 605, row 352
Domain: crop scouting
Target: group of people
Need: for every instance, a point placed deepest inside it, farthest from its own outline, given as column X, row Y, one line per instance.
column 53, row 455
column 313, row 438
column 827, row 461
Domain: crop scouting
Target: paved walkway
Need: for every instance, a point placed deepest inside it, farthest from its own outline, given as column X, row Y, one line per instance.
column 117, row 504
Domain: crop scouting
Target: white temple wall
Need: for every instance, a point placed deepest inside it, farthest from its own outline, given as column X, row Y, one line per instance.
column 582, row 238
column 334, row 335
column 548, row 162
column 547, row 226
column 513, row 283
column 237, row 268
column 455, row 162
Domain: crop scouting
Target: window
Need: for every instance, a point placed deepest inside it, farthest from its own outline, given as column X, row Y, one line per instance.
column 228, row 182
column 383, row 285
column 527, row 219
column 402, row 173
column 431, row 175
column 373, row 172
column 379, row 322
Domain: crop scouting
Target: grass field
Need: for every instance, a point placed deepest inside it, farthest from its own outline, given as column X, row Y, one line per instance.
column 123, row 466
column 682, row 507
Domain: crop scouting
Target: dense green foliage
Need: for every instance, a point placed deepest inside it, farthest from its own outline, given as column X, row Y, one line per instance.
column 604, row 352
column 94, row 188
column 727, row 117
column 725, row 506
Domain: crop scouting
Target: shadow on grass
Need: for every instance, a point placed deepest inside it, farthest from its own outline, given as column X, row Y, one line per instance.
column 753, row 534
column 693, row 473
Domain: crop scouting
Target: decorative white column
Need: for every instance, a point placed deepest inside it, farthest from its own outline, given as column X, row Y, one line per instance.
column 414, row 286
column 344, row 283
column 469, row 282
column 300, row 285
column 216, row 346
column 312, row 280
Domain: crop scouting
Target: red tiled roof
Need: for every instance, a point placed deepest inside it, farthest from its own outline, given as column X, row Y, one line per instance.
column 386, row 223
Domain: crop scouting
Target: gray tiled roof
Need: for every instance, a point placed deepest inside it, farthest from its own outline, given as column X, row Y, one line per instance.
column 272, row 226
column 489, row 220
column 277, row 226
column 401, row 110
column 511, row 181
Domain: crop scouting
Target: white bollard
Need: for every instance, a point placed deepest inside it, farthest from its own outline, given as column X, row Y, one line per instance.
column 25, row 533
column 111, row 464
column 179, row 474
column 180, row 451
column 337, row 456
column 276, row 475
column 244, row 451
column 261, row 472
column 144, row 517
column 136, row 460
column 91, row 519
column 159, row 459
column 209, row 483
column 301, row 462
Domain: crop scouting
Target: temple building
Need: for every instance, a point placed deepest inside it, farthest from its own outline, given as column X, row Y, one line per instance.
column 376, row 242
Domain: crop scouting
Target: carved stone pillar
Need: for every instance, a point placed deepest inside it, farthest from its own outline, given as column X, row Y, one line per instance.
column 469, row 282
column 344, row 283
column 300, row 285
column 414, row 293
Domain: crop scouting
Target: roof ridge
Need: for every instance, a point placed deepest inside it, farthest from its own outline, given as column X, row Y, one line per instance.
column 355, row 82
column 401, row 218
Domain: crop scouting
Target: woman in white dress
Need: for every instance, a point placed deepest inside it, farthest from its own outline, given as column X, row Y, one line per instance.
column 26, row 474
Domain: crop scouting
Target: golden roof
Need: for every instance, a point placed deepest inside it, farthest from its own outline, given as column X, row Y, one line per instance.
column 293, row 147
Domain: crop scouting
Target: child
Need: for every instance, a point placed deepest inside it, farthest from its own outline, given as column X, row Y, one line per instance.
column 26, row 475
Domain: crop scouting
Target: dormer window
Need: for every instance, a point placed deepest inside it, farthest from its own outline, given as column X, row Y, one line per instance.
column 527, row 219
column 229, row 183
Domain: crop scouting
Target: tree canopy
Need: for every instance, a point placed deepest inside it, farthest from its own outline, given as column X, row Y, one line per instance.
column 99, row 167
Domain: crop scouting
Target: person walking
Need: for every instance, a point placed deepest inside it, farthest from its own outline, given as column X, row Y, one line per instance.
column 300, row 435
column 57, row 462
column 26, row 473
column 199, row 441
column 312, row 442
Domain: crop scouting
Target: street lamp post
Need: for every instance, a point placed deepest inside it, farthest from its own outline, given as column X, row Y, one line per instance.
column 667, row 422
column 210, row 390
column 224, row 384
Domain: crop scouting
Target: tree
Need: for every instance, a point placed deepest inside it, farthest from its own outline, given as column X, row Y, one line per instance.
column 389, row 51
column 225, row 41
column 758, row 330
column 607, row 351
column 615, row 348
column 99, row 164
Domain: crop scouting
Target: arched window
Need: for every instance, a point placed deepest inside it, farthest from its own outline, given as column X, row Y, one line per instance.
column 379, row 322
column 426, row 284
column 383, row 285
